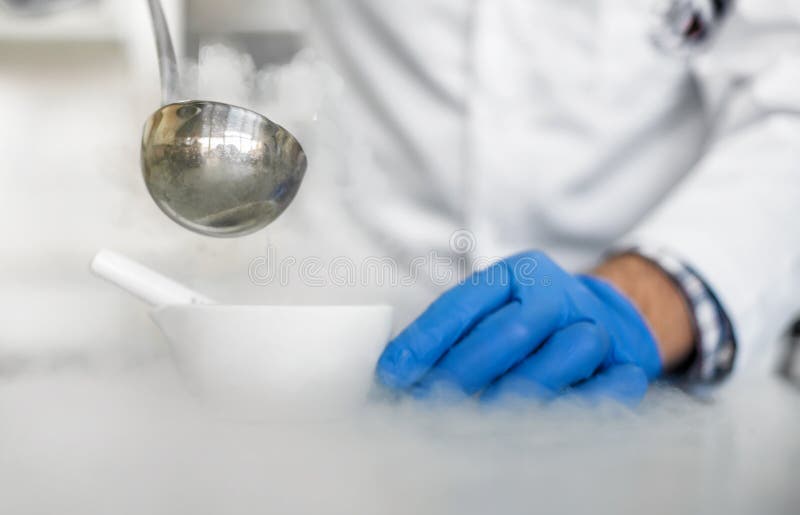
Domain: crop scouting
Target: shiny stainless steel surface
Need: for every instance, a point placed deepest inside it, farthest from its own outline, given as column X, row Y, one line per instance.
column 216, row 169
column 220, row 170
column 167, row 62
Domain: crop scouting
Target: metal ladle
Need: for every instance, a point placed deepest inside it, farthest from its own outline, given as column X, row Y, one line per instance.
column 214, row 168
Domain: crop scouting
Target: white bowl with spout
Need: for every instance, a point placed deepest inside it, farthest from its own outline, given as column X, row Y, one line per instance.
column 282, row 360
column 261, row 361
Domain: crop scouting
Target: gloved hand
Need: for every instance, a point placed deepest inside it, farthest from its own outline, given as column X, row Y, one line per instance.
column 524, row 326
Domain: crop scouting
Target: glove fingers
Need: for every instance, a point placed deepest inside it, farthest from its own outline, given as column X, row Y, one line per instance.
column 494, row 346
column 623, row 383
column 409, row 356
column 571, row 355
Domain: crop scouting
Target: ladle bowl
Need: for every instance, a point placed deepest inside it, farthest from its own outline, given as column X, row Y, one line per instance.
column 218, row 169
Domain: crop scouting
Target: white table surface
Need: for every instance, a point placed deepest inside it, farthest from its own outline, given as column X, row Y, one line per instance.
column 81, row 439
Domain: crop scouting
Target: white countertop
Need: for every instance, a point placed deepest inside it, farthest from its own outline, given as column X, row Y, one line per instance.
column 75, row 439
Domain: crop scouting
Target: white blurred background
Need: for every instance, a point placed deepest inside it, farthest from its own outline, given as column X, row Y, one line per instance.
column 75, row 89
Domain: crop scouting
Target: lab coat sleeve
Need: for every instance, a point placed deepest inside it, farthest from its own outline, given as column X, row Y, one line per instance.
column 735, row 216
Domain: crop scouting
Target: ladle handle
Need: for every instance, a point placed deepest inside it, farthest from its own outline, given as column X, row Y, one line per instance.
column 167, row 62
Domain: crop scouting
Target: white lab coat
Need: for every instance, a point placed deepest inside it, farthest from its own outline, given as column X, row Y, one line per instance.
column 557, row 125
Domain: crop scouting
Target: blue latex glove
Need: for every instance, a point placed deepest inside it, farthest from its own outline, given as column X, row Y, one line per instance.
column 526, row 327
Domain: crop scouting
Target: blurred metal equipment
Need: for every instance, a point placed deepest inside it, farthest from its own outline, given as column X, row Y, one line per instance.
column 39, row 7
column 215, row 169
column 688, row 25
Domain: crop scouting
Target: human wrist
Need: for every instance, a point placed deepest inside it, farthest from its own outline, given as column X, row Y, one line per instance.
column 658, row 300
